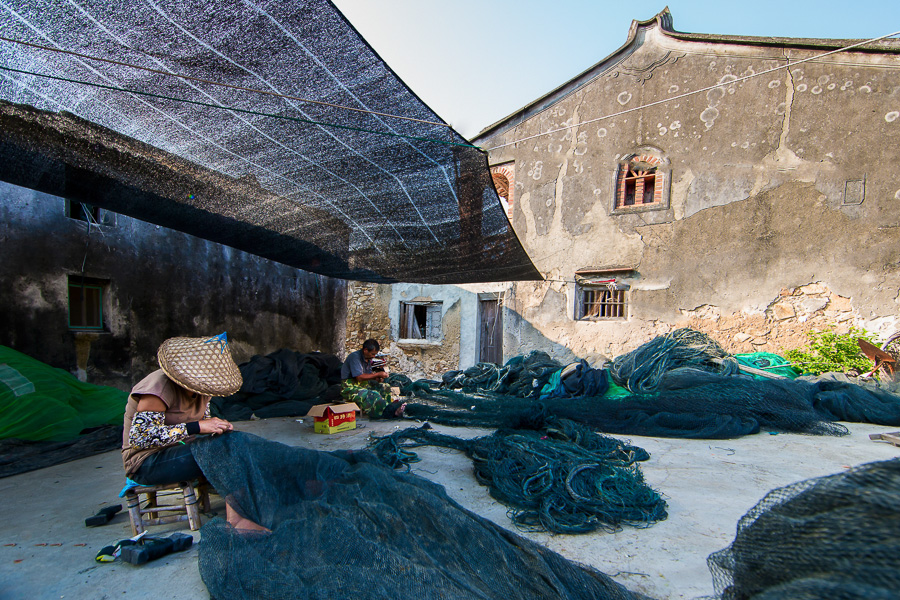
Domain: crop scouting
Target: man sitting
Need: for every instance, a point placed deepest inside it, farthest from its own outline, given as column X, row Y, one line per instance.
column 366, row 388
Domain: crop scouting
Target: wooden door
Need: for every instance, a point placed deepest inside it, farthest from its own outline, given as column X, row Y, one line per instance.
column 491, row 332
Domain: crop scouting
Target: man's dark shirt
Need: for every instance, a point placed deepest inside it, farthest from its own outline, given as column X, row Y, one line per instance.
column 355, row 365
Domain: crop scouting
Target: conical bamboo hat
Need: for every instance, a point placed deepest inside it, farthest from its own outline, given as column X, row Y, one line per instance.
column 201, row 365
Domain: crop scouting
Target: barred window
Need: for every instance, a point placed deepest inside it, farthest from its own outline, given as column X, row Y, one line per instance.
column 637, row 185
column 601, row 299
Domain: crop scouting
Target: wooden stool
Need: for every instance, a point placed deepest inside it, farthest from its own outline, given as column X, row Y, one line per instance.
column 189, row 492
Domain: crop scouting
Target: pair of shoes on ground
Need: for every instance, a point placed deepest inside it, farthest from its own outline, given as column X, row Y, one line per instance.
column 139, row 552
column 103, row 516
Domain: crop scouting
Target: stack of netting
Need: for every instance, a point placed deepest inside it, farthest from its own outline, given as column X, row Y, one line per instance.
column 836, row 537
column 282, row 384
column 521, row 376
column 693, row 390
column 343, row 525
column 554, row 474
column 642, row 370
column 687, row 404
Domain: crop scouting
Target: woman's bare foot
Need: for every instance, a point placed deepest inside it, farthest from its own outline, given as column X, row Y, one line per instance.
column 242, row 524
column 399, row 412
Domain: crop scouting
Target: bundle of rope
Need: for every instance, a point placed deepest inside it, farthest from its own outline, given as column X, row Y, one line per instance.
column 642, row 369
column 556, row 476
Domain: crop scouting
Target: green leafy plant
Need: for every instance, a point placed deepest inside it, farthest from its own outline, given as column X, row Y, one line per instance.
column 832, row 352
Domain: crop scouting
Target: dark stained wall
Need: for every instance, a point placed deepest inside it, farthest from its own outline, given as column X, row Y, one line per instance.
column 159, row 283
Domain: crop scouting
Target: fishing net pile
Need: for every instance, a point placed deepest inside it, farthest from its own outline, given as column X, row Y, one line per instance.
column 555, row 475
column 282, row 384
column 679, row 385
column 641, row 370
column 48, row 416
column 835, row 537
column 521, row 376
column 346, row 526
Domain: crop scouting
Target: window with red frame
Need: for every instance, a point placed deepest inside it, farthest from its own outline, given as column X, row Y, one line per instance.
column 638, row 184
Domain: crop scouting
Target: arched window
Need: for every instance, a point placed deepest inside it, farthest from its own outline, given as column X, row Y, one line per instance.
column 502, row 185
column 505, row 181
column 640, row 183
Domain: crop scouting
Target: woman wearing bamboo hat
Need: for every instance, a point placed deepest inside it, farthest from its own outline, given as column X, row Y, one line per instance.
column 170, row 406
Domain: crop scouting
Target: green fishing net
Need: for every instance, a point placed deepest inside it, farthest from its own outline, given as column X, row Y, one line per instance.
column 39, row 402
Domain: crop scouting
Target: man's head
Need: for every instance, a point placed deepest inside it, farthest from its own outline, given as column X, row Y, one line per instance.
column 370, row 348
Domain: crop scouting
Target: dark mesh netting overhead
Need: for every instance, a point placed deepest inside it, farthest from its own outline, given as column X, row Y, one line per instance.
column 836, row 537
column 346, row 526
column 305, row 159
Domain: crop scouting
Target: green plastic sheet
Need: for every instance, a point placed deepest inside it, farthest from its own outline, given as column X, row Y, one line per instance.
column 772, row 363
column 39, row 402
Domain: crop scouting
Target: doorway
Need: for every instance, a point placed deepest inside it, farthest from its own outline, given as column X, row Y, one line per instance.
column 490, row 329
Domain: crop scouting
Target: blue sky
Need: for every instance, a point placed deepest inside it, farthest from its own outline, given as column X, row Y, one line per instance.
column 476, row 61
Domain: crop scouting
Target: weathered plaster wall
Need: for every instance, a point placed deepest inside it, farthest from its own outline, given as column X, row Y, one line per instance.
column 757, row 200
column 374, row 311
column 162, row 283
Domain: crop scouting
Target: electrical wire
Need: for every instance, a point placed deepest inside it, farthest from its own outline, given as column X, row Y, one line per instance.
column 686, row 94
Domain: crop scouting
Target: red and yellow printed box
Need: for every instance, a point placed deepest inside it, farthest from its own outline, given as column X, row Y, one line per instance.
column 334, row 418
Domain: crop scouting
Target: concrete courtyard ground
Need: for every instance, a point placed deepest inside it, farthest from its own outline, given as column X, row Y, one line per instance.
column 46, row 552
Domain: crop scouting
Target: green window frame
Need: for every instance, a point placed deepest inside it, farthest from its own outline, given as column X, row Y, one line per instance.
column 85, row 305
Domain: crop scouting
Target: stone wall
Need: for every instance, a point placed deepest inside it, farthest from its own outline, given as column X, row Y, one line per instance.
column 784, row 324
column 366, row 316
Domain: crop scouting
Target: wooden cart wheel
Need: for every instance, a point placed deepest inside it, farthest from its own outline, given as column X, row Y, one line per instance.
column 888, row 371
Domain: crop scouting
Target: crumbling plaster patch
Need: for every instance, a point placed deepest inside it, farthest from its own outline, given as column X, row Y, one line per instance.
column 780, row 325
column 367, row 315
column 678, row 193
column 783, row 164
column 605, row 244
column 786, row 321
column 753, row 246
column 32, row 294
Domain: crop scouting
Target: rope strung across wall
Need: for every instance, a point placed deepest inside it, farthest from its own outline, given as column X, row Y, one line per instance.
column 692, row 93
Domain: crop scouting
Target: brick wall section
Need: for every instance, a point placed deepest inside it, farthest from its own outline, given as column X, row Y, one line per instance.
column 784, row 324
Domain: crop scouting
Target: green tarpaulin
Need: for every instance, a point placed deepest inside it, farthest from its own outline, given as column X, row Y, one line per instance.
column 40, row 402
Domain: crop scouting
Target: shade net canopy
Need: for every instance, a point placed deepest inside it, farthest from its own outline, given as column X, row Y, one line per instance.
column 271, row 127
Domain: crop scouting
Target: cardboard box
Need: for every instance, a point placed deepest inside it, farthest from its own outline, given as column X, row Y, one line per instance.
column 333, row 418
